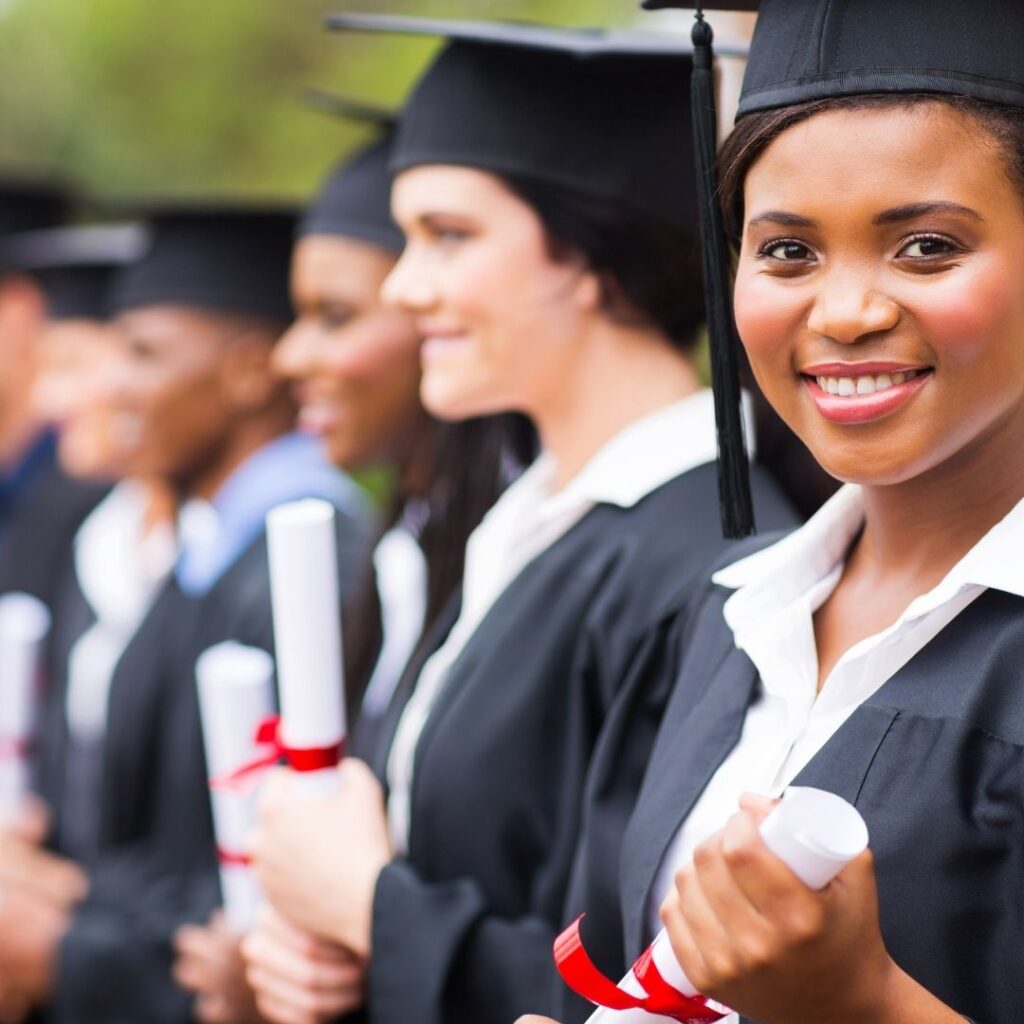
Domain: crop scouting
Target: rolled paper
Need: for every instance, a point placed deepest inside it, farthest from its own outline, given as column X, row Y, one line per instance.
column 24, row 625
column 236, row 694
column 815, row 833
column 302, row 547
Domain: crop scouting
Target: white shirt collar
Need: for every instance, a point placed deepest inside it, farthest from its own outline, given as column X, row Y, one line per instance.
column 798, row 564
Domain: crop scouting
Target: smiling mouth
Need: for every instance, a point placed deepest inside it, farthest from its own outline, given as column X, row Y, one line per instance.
column 865, row 384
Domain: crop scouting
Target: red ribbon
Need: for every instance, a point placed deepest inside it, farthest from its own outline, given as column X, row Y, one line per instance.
column 582, row 975
column 299, row 759
column 232, row 858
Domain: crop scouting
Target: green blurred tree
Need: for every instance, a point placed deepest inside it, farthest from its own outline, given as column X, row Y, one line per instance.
column 139, row 98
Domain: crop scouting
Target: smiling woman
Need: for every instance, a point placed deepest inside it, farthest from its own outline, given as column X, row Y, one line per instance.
column 879, row 294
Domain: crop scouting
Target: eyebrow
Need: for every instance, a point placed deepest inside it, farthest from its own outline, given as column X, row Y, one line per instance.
column 911, row 211
column 789, row 220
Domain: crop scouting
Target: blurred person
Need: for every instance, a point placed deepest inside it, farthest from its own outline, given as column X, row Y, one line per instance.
column 354, row 367
column 551, row 266
column 191, row 402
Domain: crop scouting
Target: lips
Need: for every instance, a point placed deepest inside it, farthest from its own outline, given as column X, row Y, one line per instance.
column 863, row 392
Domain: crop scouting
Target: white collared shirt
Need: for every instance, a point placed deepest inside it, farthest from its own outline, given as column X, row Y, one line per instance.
column 119, row 569
column 528, row 518
column 771, row 614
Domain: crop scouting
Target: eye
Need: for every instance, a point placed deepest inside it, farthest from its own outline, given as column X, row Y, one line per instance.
column 785, row 250
column 929, row 247
column 334, row 319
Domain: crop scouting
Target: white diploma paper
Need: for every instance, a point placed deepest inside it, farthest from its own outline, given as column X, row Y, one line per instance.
column 815, row 833
column 307, row 631
column 24, row 625
column 236, row 693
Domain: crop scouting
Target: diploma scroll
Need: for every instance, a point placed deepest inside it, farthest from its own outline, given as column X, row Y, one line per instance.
column 307, row 636
column 24, row 625
column 236, row 694
column 815, row 833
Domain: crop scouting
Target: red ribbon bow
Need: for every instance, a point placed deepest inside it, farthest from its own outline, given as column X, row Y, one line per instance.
column 582, row 975
column 299, row 759
column 232, row 858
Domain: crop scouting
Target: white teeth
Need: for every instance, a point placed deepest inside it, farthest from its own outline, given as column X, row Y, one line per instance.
column 868, row 384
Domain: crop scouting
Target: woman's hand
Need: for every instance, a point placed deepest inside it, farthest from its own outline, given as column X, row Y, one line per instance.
column 299, row 979
column 750, row 934
column 210, row 964
column 318, row 860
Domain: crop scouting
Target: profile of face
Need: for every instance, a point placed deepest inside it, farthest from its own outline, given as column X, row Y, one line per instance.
column 880, row 289
column 178, row 384
column 22, row 320
column 501, row 320
column 353, row 363
column 69, row 394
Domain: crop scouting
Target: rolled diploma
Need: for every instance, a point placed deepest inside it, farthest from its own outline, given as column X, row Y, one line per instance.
column 24, row 624
column 307, row 631
column 236, row 693
column 813, row 832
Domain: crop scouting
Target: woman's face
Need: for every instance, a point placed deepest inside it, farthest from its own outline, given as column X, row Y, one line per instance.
column 880, row 289
column 354, row 363
column 500, row 319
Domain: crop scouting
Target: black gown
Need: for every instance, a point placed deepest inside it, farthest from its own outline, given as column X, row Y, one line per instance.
column 151, row 858
column 463, row 925
column 934, row 761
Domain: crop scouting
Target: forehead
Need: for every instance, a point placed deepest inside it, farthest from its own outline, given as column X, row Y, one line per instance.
column 880, row 157
column 435, row 187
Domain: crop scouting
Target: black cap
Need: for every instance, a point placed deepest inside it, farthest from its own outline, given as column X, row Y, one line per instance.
column 25, row 206
column 76, row 266
column 355, row 201
column 230, row 259
column 602, row 113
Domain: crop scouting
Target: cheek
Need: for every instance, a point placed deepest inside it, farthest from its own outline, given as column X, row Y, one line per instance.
column 768, row 318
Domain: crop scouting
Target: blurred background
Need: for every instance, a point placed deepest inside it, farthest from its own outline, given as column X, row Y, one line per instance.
column 131, row 99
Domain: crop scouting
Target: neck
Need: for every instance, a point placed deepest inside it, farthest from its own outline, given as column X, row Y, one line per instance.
column 18, row 431
column 245, row 440
column 620, row 376
column 922, row 528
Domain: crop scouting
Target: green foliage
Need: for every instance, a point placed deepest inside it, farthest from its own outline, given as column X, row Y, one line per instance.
column 140, row 98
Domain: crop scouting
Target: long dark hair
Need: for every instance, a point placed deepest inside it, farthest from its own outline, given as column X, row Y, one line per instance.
column 464, row 467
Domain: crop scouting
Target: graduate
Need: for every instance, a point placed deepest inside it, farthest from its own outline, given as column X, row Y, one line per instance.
column 120, row 764
column 355, row 370
column 44, row 286
column 874, row 185
column 550, row 273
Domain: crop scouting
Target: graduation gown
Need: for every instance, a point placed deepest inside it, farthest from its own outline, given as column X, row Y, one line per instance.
column 463, row 925
column 934, row 761
column 154, row 866
column 35, row 543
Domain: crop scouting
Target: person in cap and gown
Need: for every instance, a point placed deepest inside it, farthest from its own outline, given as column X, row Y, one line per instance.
column 552, row 274
column 877, row 651
column 41, row 283
column 194, row 403
column 355, row 369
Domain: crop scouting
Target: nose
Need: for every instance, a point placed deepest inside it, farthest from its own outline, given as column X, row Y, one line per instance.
column 292, row 353
column 848, row 307
column 408, row 287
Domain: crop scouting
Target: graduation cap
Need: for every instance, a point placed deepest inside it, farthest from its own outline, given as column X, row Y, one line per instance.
column 75, row 266
column 222, row 257
column 25, row 206
column 602, row 113
column 355, row 200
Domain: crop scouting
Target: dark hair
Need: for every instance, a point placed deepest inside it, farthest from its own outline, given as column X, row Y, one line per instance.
column 465, row 467
column 650, row 270
column 755, row 132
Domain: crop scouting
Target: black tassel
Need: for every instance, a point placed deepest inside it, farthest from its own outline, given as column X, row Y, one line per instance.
column 733, row 464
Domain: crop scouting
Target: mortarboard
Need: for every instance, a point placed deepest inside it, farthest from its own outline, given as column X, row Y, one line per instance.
column 603, row 113
column 75, row 266
column 227, row 258
column 355, row 200
column 25, row 206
